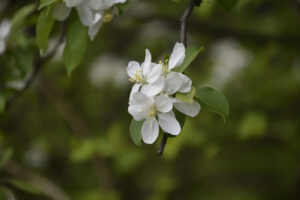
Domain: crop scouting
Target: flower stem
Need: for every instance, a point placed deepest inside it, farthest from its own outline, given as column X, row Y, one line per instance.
column 162, row 144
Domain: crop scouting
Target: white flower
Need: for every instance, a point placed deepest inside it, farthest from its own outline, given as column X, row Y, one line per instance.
column 174, row 81
column 147, row 76
column 155, row 111
column 91, row 12
column 5, row 27
column 178, row 82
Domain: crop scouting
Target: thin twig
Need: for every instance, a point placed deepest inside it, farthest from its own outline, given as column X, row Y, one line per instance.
column 184, row 20
column 183, row 32
column 38, row 65
column 162, row 144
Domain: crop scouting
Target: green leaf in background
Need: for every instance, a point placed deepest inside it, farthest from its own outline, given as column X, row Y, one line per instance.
column 228, row 4
column 186, row 97
column 5, row 157
column 180, row 117
column 76, row 44
column 24, row 186
column 20, row 17
column 212, row 100
column 6, row 194
column 135, row 130
column 44, row 3
column 191, row 53
column 44, row 26
column 24, row 59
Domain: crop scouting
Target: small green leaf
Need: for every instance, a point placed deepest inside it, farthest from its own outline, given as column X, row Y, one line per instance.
column 212, row 100
column 5, row 157
column 228, row 4
column 191, row 53
column 186, row 97
column 20, row 17
column 24, row 186
column 44, row 3
column 44, row 26
column 76, row 44
column 135, row 130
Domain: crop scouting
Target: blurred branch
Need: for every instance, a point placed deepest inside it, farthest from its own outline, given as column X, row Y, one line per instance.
column 78, row 125
column 45, row 185
column 39, row 64
column 183, row 32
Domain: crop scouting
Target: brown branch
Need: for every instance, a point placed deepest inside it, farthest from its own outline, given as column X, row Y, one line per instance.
column 38, row 65
column 45, row 185
column 183, row 32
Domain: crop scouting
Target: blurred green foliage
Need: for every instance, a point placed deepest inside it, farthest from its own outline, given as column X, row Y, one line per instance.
column 70, row 136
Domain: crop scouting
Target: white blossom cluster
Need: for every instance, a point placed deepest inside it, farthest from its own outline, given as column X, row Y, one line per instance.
column 5, row 27
column 152, row 97
column 92, row 13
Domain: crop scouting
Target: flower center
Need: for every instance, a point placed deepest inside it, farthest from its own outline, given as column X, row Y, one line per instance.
column 138, row 77
column 165, row 67
column 107, row 17
column 152, row 111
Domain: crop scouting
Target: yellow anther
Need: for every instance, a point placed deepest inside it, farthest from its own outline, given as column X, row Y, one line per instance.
column 107, row 17
column 152, row 112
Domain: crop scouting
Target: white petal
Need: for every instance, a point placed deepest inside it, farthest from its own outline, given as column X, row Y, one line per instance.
column 86, row 14
column 173, row 83
column 72, row 3
column 140, row 99
column 150, row 131
column 95, row 27
column 152, row 89
column 186, row 85
column 163, row 103
column 147, row 63
column 61, row 11
column 177, row 56
column 138, row 112
column 104, row 4
column 189, row 109
column 154, row 73
column 5, row 27
column 135, row 88
column 132, row 68
column 169, row 123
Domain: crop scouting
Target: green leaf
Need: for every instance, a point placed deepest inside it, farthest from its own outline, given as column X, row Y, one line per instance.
column 228, row 4
column 24, row 59
column 24, row 186
column 20, row 17
column 44, row 3
column 5, row 157
column 180, row 117
column 191, row 53
column 6, row 194
column 212, row 100
column 186, row 97
column 44, row 26
column 76, row 44
column 135, row 130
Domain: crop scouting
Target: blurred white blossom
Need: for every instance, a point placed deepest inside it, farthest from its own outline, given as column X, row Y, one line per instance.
column 4, row 33
column 92, row 13
column 229, row 58
column 108, row 69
